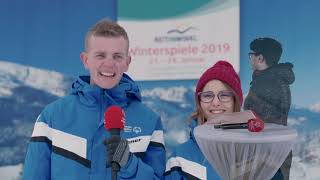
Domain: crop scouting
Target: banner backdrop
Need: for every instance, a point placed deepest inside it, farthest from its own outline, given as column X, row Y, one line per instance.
column 40, row 43
column 184, row 44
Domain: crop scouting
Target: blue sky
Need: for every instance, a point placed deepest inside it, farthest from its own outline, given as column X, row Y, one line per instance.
column 29, row 35
column 49, row 34
column 295, row 24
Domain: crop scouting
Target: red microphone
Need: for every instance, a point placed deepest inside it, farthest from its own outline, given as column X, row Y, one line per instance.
column 253, row 125
column 114, row 120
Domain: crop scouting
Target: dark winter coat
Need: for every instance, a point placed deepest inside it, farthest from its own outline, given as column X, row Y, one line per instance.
column 269, row 95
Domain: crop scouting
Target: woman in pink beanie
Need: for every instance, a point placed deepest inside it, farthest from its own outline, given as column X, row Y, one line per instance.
column 218, row 99
column 222, row 81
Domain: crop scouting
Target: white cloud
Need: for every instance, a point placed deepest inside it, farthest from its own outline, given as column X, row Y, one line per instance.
column 13, row 75
column 173, row 94
column 176, row 136
column 296, row 121
column 315, row 107
column 5, row 91
column 10, row 172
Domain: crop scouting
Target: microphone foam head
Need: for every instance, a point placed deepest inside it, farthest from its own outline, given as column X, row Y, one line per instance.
column 114, row 118
column 255, row 125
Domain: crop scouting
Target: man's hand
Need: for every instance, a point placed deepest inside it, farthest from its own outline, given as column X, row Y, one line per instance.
column 117, row 150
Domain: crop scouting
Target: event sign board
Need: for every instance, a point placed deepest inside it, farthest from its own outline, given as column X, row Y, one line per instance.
column 182, row 47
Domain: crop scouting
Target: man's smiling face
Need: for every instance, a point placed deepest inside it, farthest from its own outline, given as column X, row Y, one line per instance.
column 107, row 59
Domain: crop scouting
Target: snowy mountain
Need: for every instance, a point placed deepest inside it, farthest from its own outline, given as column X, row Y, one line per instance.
column 13, row 75
column 24, row 91
column 174, row 105
column 306, row 157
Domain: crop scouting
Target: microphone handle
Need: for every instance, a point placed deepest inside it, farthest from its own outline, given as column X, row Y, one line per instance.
column 114, row 132
column 233, row 126
column 115, row 168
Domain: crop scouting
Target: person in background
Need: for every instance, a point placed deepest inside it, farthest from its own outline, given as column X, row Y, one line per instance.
column 67, row 139
column 218, row 92
column 269, row 95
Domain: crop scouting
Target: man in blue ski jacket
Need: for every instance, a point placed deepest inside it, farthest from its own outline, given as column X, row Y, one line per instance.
column 68, row 137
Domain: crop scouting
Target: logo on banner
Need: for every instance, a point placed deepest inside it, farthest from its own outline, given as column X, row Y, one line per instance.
column 181, row 31
column 178, row 35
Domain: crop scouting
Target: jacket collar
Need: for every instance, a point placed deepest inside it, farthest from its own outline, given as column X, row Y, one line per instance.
column 282, row 72
column 120, row 95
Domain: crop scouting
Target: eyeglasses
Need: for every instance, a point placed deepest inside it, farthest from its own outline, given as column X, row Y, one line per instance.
column 252, row 53
column 208, row 96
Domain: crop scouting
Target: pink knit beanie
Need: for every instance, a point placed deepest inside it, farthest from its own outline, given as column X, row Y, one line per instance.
column 224, row 72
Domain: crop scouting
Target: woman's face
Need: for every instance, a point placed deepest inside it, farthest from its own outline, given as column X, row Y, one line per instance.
column 211, row 104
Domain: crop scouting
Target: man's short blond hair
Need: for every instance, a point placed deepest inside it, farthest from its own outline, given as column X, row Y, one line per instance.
column 106, row 28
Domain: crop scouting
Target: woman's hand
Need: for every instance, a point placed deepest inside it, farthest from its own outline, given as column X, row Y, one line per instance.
column 229, row 118
column 221, row 119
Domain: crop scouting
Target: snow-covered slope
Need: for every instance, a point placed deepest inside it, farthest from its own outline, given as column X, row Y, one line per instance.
column 24, row 91
column 13, row 75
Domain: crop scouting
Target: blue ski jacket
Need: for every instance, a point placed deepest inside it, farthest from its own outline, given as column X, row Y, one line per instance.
column 187, row 162
column 67, row 139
